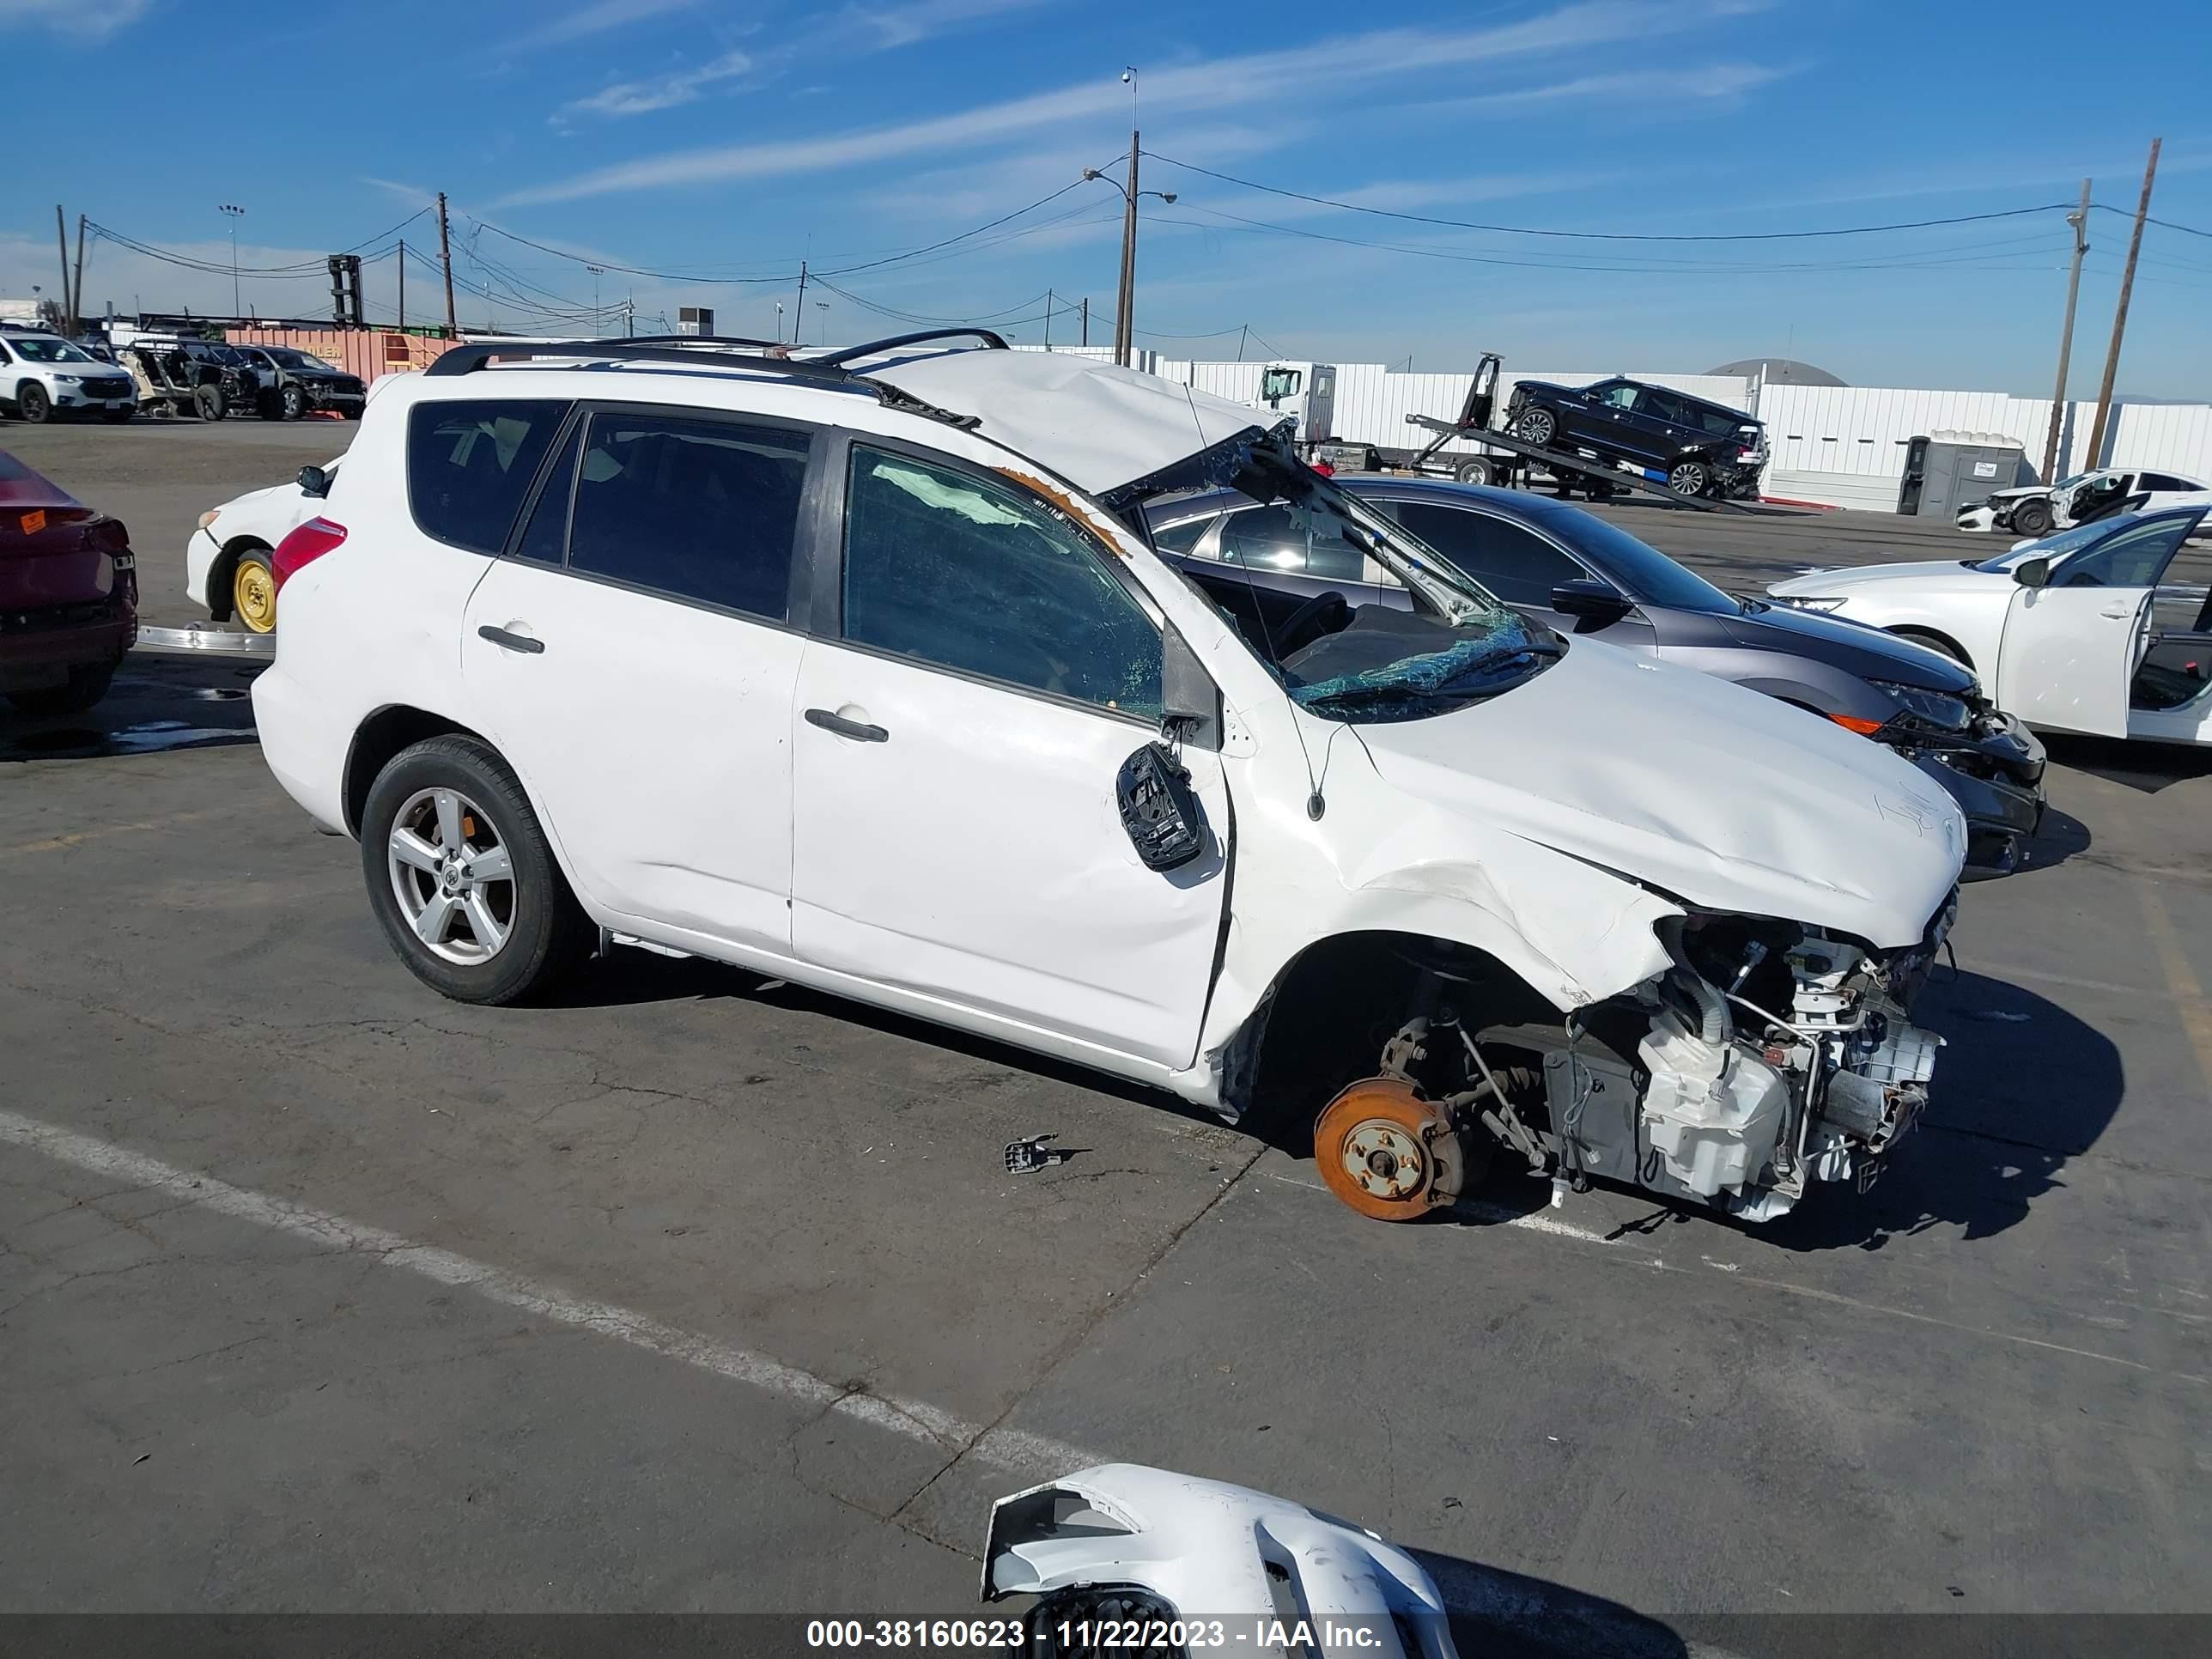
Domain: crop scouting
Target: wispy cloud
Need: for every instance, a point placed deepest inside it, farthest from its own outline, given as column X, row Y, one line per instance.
column 1336, row 64
column 681, row 86
column 886, row 27
column 597, row 18
column 1717, row 82
column 89, row 20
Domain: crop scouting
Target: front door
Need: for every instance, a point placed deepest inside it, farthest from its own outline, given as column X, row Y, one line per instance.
column 630, row 659
column 2069, row 654
column 957, row 836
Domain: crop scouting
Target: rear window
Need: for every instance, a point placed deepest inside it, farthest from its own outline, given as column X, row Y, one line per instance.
column 469, row 464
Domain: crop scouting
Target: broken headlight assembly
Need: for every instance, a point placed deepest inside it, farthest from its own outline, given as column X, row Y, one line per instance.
column 1930, row 710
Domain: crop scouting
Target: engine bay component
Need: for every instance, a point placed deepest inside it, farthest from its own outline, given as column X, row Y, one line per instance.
column 1110, row 1551
column 1387, row 1151
column 1804, row 1069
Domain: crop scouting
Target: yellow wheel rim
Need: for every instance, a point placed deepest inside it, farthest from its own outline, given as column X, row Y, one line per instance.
column 254, row 596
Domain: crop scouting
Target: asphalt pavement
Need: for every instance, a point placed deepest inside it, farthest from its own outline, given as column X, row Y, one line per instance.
column 698, row 1293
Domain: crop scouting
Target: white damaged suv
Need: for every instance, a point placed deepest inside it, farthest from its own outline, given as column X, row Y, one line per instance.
column 856, row 670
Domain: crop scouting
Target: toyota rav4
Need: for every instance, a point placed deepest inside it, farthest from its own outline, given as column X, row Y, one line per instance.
column 859, row 671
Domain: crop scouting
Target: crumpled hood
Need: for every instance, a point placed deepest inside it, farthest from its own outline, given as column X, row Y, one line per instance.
column 1720, row 796
column 1098, row 426
column 1867, row 652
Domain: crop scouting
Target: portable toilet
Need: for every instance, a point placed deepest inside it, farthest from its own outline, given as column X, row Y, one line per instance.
column 1947, row 471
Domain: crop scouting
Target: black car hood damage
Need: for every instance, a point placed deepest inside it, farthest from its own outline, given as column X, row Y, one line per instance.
column 1867, row 652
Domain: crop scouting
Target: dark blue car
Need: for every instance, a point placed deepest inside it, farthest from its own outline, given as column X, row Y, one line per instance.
column 1583, row 576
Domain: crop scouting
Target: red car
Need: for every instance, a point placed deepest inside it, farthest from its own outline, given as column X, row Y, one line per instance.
column 69, row 594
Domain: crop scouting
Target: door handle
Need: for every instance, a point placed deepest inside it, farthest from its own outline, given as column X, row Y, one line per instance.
column 508, row 641
column 845, row 728
column 2118, row 616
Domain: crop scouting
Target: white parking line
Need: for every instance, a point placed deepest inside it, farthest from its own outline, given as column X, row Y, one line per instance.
column 1013, row 1449
column 1537, row 1221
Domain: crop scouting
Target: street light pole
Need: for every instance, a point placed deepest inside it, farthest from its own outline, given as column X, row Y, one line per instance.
column 599, row 323
column 233, row 212
column 1125, row 319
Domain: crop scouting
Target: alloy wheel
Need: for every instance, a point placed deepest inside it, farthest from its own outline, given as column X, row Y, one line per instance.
column 452, row 875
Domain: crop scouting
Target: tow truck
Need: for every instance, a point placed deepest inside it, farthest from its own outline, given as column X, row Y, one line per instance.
column 1308, row 392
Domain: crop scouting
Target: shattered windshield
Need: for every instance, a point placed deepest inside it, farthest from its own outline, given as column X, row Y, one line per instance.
column 1344, row 656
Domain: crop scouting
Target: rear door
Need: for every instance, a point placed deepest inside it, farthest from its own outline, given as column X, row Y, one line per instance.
column 986, row 669
column 2068, row 655
column 631, row 656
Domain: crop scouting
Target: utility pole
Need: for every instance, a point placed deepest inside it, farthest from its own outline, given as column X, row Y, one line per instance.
column 598, row 318
column 1243, row 330
column 61, row 237
column 233, row 212
column 2080, row 220
column 1124, row 330
column 76, row 287
column 446, row 259
column 798, row 315
column 1047, row 319
column 1086, row 319
column 2120, row 312
column 403, row 286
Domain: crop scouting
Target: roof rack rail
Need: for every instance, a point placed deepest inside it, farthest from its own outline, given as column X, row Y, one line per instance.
column 991, row 340
column 467, row 359
column 706, row 340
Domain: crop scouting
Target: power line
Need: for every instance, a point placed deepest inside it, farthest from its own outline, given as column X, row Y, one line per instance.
column 2164, row 224
column 1999, row 249
column 837, row 270
column 1606, row 235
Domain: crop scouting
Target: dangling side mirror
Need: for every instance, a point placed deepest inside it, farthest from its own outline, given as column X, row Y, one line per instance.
column 2033, row 573
column 1162, row 814
column 314, row 482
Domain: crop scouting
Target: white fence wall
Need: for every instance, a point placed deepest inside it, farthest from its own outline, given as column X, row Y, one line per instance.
column 1845, row 446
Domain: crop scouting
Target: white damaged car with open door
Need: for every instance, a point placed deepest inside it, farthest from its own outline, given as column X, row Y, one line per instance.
column 853, row 669
column 2104, row 628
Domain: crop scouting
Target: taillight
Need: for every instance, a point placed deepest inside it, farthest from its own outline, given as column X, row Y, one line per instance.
column 1324, row 469
column 302, row 548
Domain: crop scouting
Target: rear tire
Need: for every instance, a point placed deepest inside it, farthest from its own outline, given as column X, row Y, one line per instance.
column 1690, row 478
column 213, row 405
column 438, row 811
column 1474, row 472
column 2031, row 519
column 86, row 687
column 1537, row 425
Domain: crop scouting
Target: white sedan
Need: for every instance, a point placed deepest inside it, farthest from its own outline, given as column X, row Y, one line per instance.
column 2097, row 629
column 227, row 560
column 2037, row 510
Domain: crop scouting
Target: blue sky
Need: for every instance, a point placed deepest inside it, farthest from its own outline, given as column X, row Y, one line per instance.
column 732, row 139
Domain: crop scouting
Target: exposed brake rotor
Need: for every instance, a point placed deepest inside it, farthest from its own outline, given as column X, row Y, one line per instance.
column 1388, row 1152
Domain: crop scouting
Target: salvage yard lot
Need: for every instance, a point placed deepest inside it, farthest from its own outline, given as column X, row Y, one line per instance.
column 694, row 1293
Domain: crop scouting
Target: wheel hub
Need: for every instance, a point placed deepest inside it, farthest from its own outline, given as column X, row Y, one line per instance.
column 1384, row 1160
